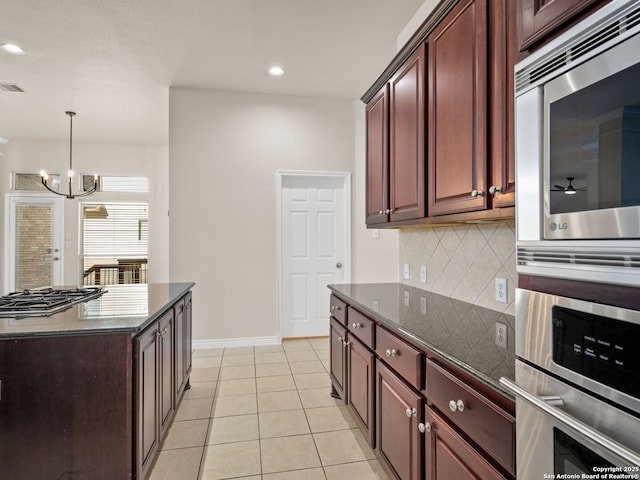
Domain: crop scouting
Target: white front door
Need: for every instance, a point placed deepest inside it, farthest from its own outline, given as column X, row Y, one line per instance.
column 315, row 249
column 34, row 241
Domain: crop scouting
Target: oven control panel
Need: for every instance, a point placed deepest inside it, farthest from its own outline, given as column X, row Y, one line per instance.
column 603, row 349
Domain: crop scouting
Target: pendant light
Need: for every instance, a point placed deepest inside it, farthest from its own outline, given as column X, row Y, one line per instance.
column 45, row 177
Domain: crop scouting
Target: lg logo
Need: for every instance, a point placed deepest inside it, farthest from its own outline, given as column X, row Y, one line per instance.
column 558, row 226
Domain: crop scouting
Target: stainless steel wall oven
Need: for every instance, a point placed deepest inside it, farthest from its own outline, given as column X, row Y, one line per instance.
column 578, row 151
column 577, row 389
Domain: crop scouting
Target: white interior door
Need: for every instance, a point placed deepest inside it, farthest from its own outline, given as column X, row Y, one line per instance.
column 315, row 250
column 34, row 231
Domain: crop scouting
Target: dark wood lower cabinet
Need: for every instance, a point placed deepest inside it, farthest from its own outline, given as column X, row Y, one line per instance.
column 66, row 407
column 399, row 409
column 338, row 360
column 360, row 380
column 448, row 455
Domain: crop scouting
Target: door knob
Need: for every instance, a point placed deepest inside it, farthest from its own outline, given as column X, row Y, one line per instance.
column 339, row 265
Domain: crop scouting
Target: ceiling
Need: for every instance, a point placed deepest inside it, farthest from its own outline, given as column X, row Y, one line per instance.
column 113, row 61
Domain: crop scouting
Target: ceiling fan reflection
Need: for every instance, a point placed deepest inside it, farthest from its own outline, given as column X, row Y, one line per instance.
column 569, row 189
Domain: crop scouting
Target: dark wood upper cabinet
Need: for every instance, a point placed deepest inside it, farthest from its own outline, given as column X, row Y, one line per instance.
column 457, row 109
column 377, row 117
column 407, row 139
column 502, row 55
column 539, row 19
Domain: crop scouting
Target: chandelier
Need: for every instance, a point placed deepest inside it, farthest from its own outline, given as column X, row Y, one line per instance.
column 45, row 177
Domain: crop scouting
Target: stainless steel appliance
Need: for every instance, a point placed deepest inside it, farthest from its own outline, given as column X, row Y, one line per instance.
column 577, row 388
column 578, row 151
column 44, row 301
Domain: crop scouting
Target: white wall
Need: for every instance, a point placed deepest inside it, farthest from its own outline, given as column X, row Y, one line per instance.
column 225, row 149
column 33, row 156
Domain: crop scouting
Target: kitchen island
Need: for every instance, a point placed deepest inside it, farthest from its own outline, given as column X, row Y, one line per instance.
column 89, row 392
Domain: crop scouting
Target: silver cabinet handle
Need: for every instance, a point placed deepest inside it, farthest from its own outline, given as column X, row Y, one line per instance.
column 345, row 344
column 356, row 325
column 391, row 353
column 424, row 427
column 581, row 428
column 381, row 212
column 456, row 406
column 411, row 412
column 335, row 307
column 493, row 189
column 340, row 339
column 477, row 193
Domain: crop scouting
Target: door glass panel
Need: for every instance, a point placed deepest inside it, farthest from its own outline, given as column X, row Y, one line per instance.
column 594, row 147
column 34, row 245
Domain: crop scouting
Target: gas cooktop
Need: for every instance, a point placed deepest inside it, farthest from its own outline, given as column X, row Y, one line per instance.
column 45, row 301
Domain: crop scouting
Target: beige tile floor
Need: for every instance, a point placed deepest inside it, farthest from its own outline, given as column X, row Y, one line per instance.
column 264, row 413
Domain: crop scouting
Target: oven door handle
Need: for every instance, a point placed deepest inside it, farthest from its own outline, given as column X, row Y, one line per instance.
column 580, row 427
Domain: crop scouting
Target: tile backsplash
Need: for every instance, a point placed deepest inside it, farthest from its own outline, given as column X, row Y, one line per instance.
column 463, row 261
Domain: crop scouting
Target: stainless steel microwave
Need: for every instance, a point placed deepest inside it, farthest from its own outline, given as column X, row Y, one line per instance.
column 578, row 151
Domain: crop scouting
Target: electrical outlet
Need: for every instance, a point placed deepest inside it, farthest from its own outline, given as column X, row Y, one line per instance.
column 423, row 273
column 501, row 290
column 423, row 305
column 501, row 335
column 406, row 298
column 406, row 271
column 375, row 233
column 376, row 305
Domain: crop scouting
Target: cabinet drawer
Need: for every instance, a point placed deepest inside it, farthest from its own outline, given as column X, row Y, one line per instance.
column 362, row 327
column 485, row 423
column 338, row 310
column 400, row 356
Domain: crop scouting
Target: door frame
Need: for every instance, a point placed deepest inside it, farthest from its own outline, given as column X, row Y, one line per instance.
column 9, row 237
column 281, row 175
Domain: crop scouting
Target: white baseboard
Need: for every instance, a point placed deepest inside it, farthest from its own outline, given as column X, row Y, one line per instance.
column 235, row 342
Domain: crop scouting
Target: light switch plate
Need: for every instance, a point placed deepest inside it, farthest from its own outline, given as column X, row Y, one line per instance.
column 423, row 305
column 406, row 271
column 501, row 335
column 423, row 273
column 406, row 298
column 375, row 233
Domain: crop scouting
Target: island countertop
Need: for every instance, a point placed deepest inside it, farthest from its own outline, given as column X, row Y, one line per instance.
column 121, row 309
column 459, row 332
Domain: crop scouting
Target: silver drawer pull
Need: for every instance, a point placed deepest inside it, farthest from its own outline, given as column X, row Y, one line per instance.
column 391, row 353
column 424, row 427
column 356, row 325
column 411, row 412
column 345, row 344
column 456, row 406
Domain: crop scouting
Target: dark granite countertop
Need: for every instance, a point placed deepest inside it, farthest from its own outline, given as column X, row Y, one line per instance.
column 121, row 309
column 460, row 332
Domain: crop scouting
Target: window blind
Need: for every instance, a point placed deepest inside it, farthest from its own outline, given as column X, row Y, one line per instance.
column 115, row 239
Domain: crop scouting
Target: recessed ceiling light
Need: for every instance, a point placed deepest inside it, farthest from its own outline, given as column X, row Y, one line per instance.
column 276, row 71
column 11, row 48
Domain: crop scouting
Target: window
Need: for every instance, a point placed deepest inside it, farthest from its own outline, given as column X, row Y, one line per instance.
column 32, row 182
column 115, row 239
column 117, row 184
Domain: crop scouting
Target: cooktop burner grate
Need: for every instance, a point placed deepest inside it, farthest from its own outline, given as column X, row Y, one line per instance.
column 44, row 301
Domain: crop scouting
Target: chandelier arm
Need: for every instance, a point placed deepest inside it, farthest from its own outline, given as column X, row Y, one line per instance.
column 88, row 192
column 44, row 182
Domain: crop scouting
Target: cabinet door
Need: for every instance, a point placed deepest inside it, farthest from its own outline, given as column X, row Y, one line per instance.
column 406, row 139
column 361, row 380
column 148, row 431
column 502, row 55
column 540, row 18
column 447, row 455
column 398, row 437
column 187, row 351
column 377, row 116
column 338, row 359
column 179, row 366
column 166, row 385
column 458, row 110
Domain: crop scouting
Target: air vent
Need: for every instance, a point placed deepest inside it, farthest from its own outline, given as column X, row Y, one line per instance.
column 10, row 87
column 545, row 256
column 624, row 22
